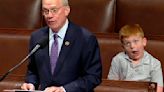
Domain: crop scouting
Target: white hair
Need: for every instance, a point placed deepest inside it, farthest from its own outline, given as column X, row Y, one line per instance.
column 65, row 2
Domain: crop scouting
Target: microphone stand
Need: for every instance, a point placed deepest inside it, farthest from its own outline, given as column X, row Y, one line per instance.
column 20, row 63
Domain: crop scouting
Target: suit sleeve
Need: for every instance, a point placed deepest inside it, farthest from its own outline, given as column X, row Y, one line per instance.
column 92, row 68
column 32, row 75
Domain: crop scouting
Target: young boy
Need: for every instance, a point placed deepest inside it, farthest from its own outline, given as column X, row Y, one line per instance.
column 135, row 63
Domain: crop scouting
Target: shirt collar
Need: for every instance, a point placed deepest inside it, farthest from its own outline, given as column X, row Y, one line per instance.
column 61, row 33
column 144, row 60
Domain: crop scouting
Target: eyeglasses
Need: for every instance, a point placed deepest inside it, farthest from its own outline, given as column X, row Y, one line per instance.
column 52, row 10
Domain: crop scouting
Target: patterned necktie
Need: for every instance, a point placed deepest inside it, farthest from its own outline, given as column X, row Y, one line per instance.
column 54, row 53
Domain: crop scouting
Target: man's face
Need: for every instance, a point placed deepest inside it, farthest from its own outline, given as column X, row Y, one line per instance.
column 134, row 46
column 55, row 13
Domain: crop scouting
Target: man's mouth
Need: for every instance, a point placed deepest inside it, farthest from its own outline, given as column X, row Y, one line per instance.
column 51, row 22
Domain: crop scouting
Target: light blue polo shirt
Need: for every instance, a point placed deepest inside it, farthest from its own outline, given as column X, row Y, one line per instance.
column 149, row 69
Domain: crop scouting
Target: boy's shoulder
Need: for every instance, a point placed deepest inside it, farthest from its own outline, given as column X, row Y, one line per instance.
column 149, row 57
column 121, row 56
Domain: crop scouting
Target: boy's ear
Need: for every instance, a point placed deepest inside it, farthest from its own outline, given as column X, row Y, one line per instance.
column 144, row 41
column 122, row 43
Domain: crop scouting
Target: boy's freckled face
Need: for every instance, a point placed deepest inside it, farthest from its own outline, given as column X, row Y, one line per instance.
column 134, row 46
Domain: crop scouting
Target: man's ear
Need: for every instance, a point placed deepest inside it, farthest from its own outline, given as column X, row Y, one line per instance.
column 67, row 10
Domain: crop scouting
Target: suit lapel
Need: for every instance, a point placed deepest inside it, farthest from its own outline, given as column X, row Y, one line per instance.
column 46, row 58
column 45, row 52
column 66, row 47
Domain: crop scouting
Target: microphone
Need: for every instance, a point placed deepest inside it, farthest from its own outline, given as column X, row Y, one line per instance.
column 40, row 44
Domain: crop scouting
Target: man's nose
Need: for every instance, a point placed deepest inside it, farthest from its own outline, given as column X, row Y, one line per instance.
column 49, row 14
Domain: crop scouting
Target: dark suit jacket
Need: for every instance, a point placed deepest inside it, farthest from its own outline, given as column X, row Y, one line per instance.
column 78, row 67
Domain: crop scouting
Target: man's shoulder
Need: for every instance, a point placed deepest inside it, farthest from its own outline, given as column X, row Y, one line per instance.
column 79, row 29
column 40, row 31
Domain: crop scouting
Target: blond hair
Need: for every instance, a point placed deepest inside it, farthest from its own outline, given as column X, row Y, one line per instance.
column 129, row 30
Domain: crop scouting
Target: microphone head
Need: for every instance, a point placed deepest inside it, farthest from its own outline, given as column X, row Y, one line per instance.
column 43, row 42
